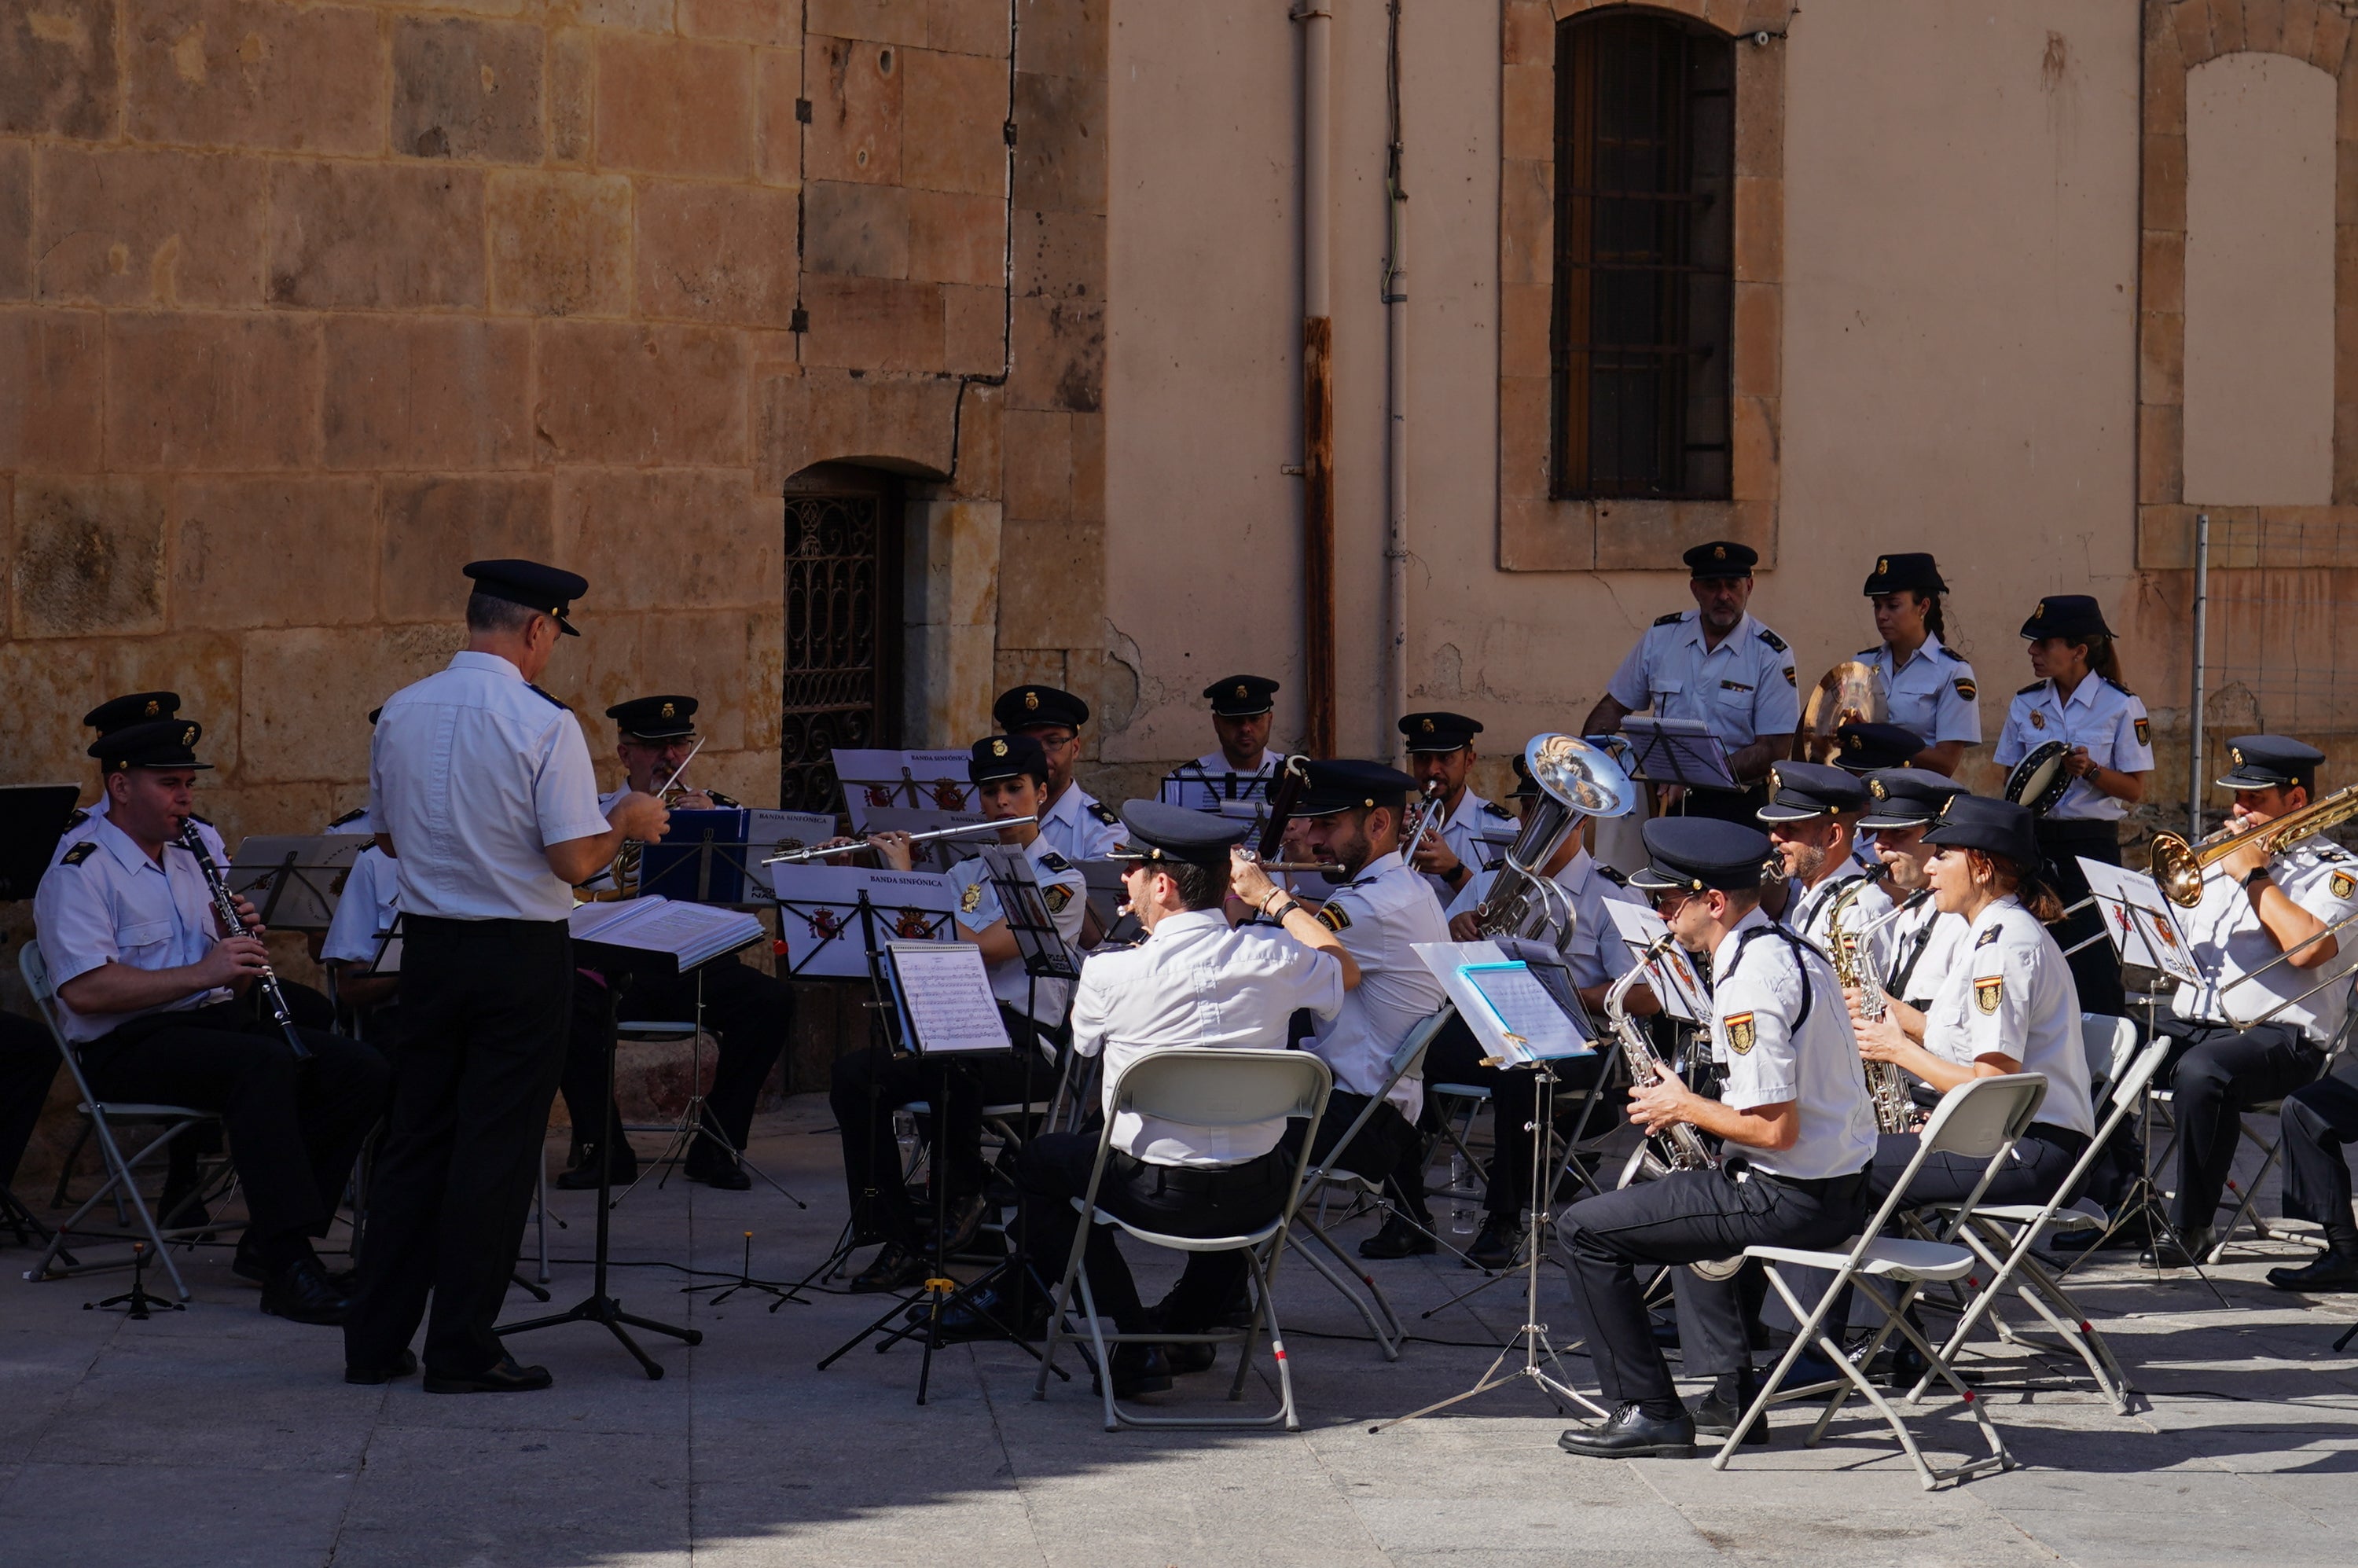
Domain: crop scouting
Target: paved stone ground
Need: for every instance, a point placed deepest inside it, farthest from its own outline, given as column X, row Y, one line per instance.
column 222, row 1436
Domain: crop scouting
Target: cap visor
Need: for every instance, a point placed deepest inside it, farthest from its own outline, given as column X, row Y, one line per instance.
column 1772, row 812
column 565, row 626
column 2241, row 780
column 1652, row 881
column 1871, row 821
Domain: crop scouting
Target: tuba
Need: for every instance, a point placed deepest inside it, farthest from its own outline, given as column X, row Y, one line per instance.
column 1575, row 778
column 1851, row 691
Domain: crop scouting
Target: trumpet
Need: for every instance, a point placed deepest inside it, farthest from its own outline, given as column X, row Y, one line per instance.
column 821, row 852
column 1418, row 817
column 2182, row 868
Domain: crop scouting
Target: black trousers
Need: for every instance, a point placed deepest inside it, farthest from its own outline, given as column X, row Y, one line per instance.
column 1456, row 1057
column 869, row 1088
column 1180, row 1200
column 748, row 1012
column 484, row 1006
column 2215, row 1074
column 1687, row 1216
column 2318, row 1122
column 1388, row 1149
column 29, row 1060
column 2095, row 969
column 295, row 1127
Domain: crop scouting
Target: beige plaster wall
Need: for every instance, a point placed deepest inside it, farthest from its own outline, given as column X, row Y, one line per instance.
column 1957, row 368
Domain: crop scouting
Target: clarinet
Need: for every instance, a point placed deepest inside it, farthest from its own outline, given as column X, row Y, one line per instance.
column 225, row 907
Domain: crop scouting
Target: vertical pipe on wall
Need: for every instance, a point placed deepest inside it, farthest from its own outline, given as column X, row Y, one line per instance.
column 2194, row 705
column 1317, row 20
column 1396, row 397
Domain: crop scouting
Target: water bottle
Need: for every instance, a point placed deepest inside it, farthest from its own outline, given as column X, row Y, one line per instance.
column 1461, row 1213
column 904, row 1133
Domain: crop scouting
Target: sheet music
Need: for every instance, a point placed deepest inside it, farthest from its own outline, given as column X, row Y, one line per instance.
column 1673, row 974
column 2142, row 923
column 945, row 994
column 300, row 896
column 1680, row 751
column 876, row 779
column 1530, row 1024
column 818, row 914
column 691, row 933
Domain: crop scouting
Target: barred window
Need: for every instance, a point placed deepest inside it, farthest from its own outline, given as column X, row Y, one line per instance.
column 1644, row 245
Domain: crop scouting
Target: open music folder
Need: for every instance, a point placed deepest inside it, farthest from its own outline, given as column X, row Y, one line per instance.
column 689, row 934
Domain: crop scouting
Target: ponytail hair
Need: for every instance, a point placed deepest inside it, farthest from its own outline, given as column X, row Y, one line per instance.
column 2104, row 658
column 2028, row 883
column 1932, row 622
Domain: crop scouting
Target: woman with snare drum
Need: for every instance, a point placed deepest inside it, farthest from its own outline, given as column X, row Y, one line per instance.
column 2101, row 747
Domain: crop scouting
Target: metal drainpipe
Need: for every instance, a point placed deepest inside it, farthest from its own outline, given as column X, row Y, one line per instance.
column 1317, row 20
column 1395, row 295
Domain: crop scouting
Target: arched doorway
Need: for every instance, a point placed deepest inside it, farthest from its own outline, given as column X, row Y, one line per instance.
column 841, row 681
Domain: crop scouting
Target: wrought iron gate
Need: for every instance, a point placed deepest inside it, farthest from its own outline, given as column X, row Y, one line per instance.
column 841, row 644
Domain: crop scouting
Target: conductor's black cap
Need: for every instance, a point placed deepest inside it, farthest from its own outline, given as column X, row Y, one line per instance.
column 1688, row 854
column 1158, row 832
column 1241, row 697
column 549, row 589
column 1025, row 707
column 2263, row 761
column 1993, row 827
column 1907, row 797
column 1862, row 748
column 1439, row 732
column 153, row 744
column 1721, row 558
column 1344, row 784
column 668, row 718
column 2066, row 615
column 132, row 708
column 1005, row 757
column 1799, row 791
column 1895, row 574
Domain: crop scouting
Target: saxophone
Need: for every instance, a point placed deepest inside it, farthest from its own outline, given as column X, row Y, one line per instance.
column 1682, row 1148
column 1853, row 962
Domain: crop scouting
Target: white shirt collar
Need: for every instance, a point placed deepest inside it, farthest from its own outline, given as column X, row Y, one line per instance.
column 497, row 664
column 2084, row 694
column 121, row 846
column 1928, row 649
column 1725, row 953
column 1188, row 920
column 1734, row 637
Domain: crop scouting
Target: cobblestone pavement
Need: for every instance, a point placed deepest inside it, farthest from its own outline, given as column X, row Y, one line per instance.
column 219, row 1436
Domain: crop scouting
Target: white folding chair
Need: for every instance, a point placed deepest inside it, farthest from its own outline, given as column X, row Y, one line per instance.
column 102, row 1117
column 1209, row 1090
column 1980, row 1119
column 2005, row 1236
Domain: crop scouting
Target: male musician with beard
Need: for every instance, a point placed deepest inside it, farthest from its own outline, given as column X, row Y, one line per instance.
column 1813, row 816
column 1914, row 951
column 153, row 995
column 1242, row 767
column 1794, row 1108
column 1349, row 819
column 1463, row 832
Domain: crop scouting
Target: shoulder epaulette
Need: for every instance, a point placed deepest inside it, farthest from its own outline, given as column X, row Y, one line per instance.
column 543, row 696
column 1949, row 652
column 1868, row 652
column 1618, row 879
column 1494, row 809
column 79, row 853
column 1773, row 639
column 1053, row 861
column 2034, row 686
column 1104, row 814
column 77, row 819
column 354, row 814
column 1672, row 619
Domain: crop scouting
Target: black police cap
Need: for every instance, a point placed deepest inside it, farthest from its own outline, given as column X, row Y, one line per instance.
column 1006, row 757
column 2071, row 615
column 549, row 589
column 1241, row 697
column 2263, row 761
column 1721, row 558
column 1688, row 854
column 1023, row 706
column 1861, row 747
column 1342, row 784
column 1907, row 797
column 375, row 713
column 1158, row 832
column 669, row 718
column 1438, row 731
column 1526, row 787
column 1799, row 791
column 1899, row 574
column 132, row 707
column 1993, row 827
column 152, row 743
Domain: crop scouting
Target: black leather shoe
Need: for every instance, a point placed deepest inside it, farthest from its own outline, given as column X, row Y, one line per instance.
column 301, row 1293
column 2168, row 1252
column 987, row 1315
column 895, row 1268
column 1137, row 1368
column 246, row 1265
column 1630, row 1433
column 1495, row 1248
column 1715, row 1417
column 583, row 1178
column 717, row 1171
column 965, row 1223
column 403, row 1366
column 2330, row 1271
column 1187, row 1359
column 504, row 1377
column 1399, row 1238
column 1900, row 1366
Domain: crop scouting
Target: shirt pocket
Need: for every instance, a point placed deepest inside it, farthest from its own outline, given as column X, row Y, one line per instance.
column 144, row 945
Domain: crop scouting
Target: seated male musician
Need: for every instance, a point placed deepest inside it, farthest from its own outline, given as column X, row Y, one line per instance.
column 160, row 1002
column 1811, row 816
column 1010, row 776
column 1463, row 832
column 2256, row 908
column 748, row 1012
column 1242, row 766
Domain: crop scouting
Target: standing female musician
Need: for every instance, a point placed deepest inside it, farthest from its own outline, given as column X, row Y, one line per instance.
column 2079, row 700
column 1932, row 689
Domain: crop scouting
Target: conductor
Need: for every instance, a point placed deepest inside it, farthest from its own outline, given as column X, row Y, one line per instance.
column 480, row 788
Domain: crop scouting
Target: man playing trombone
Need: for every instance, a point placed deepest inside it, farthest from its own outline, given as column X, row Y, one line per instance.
column 2264, row 935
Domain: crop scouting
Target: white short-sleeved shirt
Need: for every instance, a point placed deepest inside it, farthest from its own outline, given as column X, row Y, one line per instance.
column 2231, row 946
column 1756, row 999
column 365, row 910
column 1933, row 694
column 474, row 772
column 105, row 901
column 2011, row 993
column 1744, row 688
column 1061, row 888
column 2098, row 715
column 1592, row 953
column 1478, row 832
column 1809, row 910
column 1077, row 827
column 1913, row 953
column 1203, row 783
column 1380, row 916
column 78, row 829
column 1194, row 981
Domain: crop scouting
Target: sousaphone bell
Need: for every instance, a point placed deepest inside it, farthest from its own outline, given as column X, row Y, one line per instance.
column 1576, row 779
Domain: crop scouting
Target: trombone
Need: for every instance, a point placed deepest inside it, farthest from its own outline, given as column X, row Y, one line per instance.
column 822, row 852
column 2182, row 868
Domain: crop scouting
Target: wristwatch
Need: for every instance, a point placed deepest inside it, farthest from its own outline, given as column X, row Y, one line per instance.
column 2254, row 874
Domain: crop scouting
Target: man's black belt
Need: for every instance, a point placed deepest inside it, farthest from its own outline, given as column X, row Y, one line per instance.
column 1816, row 1186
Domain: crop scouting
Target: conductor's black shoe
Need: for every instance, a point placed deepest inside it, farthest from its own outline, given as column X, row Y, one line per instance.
column 987, row 1315
column 502, row 1377
column 1715, row 1417
column 1137, row 1368
column 301, row 1292
column 1399, row 1238
column 403, row 1366
column 2335, row 1270
column 721, row 1170
column 583, row 1178
column 966, row 1216
column 2175, row 1252
column 895, row 1268
column 1630, row 1433
column 1495, row 1248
